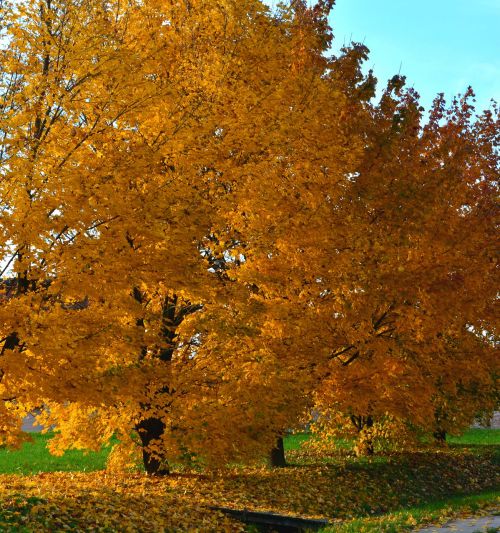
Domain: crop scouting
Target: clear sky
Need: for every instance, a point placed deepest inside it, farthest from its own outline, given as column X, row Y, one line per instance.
column 440, row 45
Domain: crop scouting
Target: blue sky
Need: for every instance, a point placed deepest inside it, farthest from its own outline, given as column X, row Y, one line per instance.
column 440, row 45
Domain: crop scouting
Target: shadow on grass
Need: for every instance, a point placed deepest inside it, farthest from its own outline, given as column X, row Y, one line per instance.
column 383, row 483
column 484, row 449
column 407, row 519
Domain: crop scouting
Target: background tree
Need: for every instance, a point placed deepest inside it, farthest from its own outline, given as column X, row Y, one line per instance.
column 425, row 194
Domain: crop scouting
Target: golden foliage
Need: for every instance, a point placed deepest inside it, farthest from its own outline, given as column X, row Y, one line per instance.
column 208, row 228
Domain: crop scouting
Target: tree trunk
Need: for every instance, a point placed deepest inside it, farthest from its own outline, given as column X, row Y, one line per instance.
column 152, row 428
column 440, row 436
column 149, row 430
column 277, row 455
column 369, row 440
column 364, row 444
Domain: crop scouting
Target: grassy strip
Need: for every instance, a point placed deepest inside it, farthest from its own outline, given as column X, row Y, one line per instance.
column 472, row 437
column 33, row 457
column 436, row 512
column 294, row 441
column 478, row 437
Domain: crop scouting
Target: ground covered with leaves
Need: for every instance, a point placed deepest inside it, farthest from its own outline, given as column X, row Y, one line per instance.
column 339, row 488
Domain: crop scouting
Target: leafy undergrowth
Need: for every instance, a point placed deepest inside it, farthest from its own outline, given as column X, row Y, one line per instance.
column 341, row 490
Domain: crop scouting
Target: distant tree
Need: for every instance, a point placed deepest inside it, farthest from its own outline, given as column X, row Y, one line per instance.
column 418, row 282
column 386, row 271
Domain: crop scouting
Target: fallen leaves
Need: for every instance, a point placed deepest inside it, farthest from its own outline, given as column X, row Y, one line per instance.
column 341, row 489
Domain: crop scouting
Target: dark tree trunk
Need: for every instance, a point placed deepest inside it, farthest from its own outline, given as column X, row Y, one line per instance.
column 369, row 442
column 11, row 342
column 152, row 428
column 365, row 444
column 277, row 455
column 440, row 436
column 149, row 430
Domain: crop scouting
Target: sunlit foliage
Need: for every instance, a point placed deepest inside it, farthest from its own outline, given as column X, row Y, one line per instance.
column 209, row 228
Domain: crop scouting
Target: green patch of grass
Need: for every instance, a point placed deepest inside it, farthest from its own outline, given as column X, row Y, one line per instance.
column 402, row 520
column 471, row 437
column 477, row 437
column 34, row 457
column 295, row 440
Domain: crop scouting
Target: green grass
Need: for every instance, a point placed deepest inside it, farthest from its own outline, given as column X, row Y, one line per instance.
column 430, row 513
column 295, row 440
column 436, row 510
column 33, row 457
column 477, row 437
column 472, row 437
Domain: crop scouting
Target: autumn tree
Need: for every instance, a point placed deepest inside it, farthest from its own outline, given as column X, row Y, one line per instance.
column 322, row 141
column 380, row 260
column 110, row 124
column 423, row 199
column 207, row 228
column 131, row 135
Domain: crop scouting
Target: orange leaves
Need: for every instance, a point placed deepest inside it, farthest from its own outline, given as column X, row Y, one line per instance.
column 335, row 489
column 105, row 502
column 197, row 234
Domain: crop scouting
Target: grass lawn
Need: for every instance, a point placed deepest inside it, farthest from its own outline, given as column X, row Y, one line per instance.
column 33, row 457
column 474, row 437
column 386, row 493
column 294, row 441
column 482, row 437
